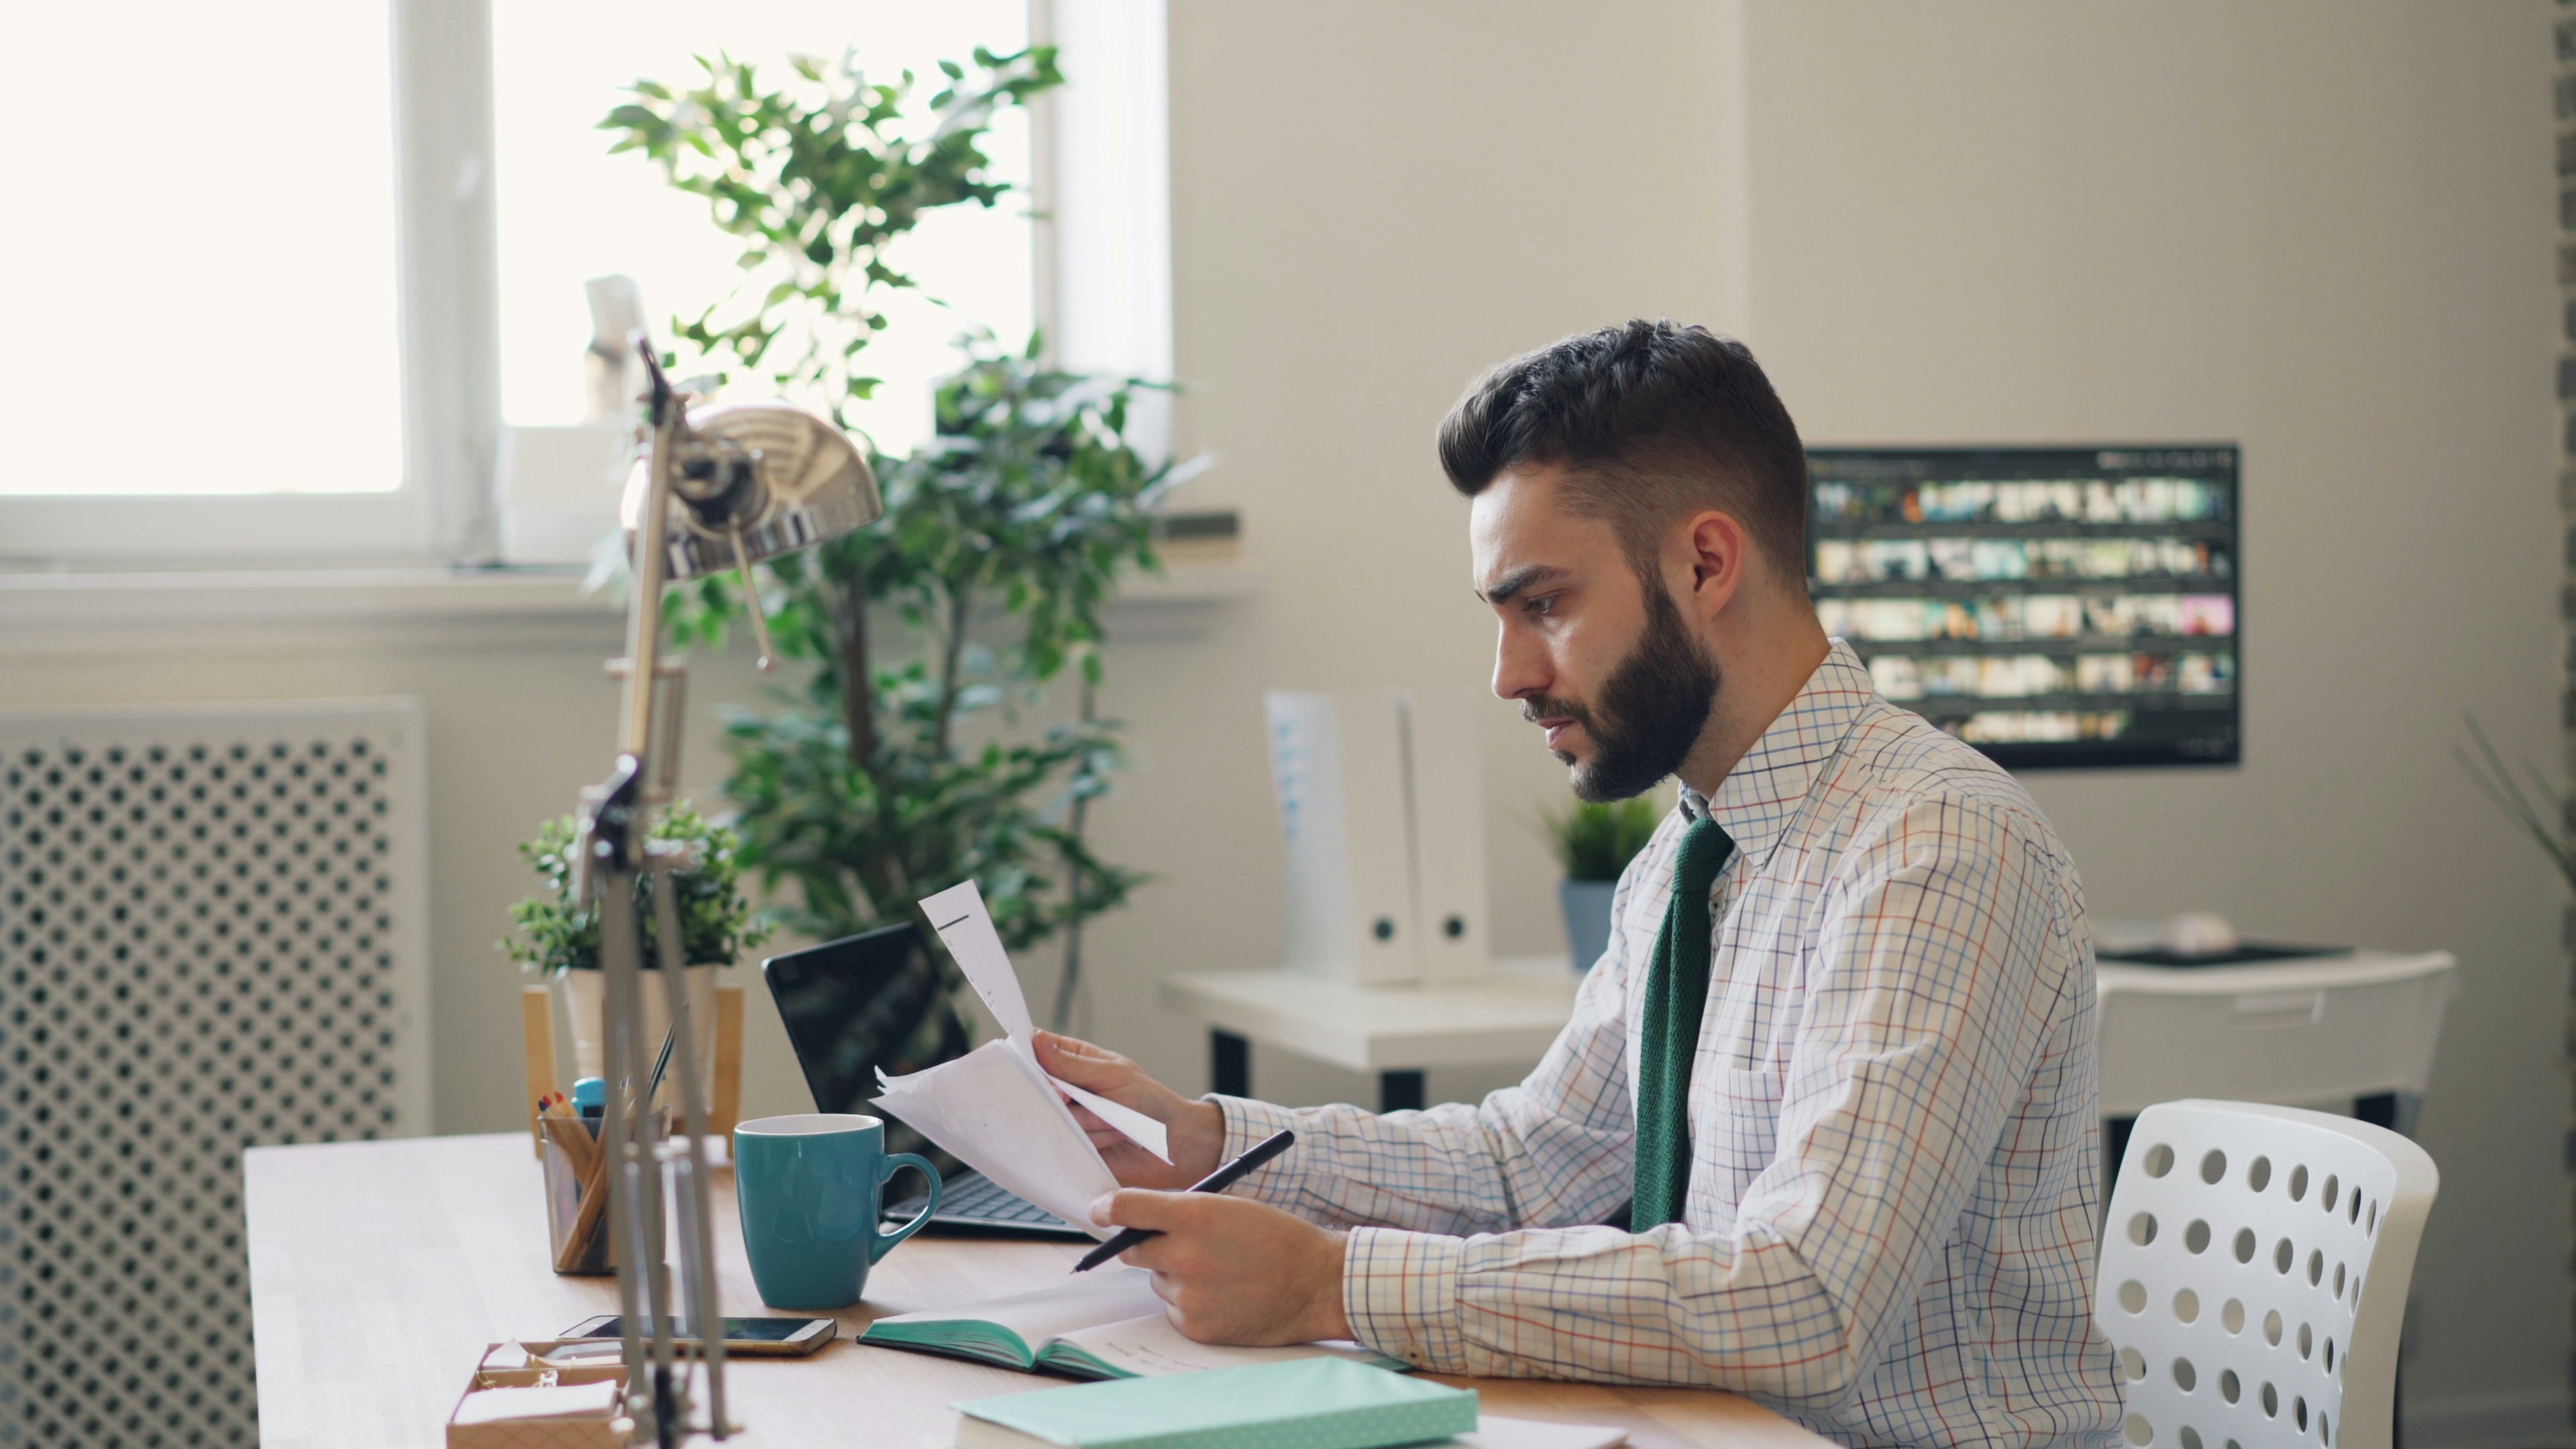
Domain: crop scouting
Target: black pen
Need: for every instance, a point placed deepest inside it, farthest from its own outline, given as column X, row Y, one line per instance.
column 1217, row 1181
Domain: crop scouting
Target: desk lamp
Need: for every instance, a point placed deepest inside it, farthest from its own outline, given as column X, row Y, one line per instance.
column 721, row 488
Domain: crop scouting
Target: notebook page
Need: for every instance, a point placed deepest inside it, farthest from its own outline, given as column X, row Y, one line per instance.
column 1085, row 1301
column 1148, row 1345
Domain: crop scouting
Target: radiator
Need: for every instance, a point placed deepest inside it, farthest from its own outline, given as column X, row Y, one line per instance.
column 212, row 937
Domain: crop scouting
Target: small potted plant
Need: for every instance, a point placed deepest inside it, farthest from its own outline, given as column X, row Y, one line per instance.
column 1595, row 842
column 559, row 936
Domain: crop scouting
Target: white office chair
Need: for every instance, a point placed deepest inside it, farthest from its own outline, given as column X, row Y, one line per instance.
column 2254, row 1273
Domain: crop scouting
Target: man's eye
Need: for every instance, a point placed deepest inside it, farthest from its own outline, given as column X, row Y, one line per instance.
column 1542, row 606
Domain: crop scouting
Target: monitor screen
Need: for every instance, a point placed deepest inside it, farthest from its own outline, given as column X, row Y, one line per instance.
column 2051, row 606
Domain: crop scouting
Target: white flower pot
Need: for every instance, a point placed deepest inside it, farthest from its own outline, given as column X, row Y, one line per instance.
column 580, row 994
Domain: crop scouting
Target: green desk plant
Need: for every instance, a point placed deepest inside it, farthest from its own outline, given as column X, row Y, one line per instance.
column 906, row 763
column 558, row 936
column 1594, row 843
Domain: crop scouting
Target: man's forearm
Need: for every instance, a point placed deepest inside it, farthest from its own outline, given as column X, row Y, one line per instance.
column 1602, row 1305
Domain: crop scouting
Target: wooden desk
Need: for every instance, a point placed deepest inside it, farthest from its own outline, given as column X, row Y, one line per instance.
column 380, row 1269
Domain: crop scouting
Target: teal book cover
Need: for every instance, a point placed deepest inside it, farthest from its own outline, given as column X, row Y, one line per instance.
column 1315, row 1403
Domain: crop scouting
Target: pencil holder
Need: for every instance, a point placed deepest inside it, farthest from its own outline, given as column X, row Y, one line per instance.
column 577, row 1193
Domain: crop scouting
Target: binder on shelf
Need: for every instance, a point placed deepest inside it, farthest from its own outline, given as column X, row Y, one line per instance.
column 1445, row 792
column 1381, row 802
column 1337, row 762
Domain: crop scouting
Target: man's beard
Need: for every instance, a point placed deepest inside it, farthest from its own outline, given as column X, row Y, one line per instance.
column 1650, row 713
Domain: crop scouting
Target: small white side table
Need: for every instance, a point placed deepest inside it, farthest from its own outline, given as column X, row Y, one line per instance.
column 2353, row 1032
column 1394, row 1031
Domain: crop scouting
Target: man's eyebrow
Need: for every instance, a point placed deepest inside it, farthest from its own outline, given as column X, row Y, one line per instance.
column 1518, row 581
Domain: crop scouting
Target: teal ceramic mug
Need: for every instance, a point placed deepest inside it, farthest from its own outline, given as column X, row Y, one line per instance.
column 812, row 1188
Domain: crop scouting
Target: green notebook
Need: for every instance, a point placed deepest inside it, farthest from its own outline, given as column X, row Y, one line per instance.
column 1101, row 1325
column 1313, row 1403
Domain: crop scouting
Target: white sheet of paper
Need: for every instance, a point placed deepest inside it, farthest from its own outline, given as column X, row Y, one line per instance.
column 1084, row 1300
column 966, row 928
column 555, row 1401
column 996, row 1111
column 1140, row 1129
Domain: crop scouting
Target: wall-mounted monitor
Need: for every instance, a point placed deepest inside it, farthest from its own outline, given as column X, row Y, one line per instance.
column 2051, row 606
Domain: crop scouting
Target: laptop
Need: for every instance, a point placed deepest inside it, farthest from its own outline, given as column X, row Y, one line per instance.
column 878, row 1000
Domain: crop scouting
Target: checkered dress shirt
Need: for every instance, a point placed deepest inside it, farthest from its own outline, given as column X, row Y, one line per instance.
column 1889, row 1231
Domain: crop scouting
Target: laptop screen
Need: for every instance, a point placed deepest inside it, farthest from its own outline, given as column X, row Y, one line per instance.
column 864, row 1003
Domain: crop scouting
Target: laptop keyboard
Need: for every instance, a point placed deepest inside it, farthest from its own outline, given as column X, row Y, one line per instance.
column 973, row 1197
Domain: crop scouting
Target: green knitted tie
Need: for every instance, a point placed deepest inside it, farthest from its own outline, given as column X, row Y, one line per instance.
column 1676, row 993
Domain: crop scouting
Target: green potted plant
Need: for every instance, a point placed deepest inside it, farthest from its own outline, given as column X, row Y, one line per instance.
column 2531, row 810
column 558, row 936
column 903, row 765
column 1594, row 843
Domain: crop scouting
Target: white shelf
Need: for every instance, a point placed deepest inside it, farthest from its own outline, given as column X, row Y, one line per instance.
column 1509, row 1016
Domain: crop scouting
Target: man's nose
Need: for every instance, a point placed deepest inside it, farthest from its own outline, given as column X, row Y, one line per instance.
column 1520, row 666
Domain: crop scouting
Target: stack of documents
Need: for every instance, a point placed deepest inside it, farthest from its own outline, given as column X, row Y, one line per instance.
column 995, row 1108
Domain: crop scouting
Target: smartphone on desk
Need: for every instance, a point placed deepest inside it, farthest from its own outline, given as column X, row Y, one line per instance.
column 774, row 1337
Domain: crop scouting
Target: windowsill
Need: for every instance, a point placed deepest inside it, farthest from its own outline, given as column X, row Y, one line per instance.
column 78, row 613
column 254, row 595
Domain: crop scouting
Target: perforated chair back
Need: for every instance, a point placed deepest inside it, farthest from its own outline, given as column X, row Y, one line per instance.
column 2254, row 1273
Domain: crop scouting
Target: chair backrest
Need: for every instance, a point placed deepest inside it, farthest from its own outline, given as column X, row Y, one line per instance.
column 2254, row 1273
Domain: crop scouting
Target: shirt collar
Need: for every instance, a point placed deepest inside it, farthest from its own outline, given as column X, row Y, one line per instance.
column 1756, row 800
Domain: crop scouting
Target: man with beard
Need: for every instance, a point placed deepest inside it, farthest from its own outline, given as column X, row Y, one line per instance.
column 1822, row 1127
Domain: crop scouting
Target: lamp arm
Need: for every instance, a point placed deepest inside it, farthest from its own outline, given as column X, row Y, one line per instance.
column 648, row 568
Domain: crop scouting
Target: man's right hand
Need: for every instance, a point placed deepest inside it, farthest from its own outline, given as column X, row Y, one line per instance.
column 1195, row 1131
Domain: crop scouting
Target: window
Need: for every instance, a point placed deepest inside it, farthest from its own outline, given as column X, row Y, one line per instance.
column 263, row 317
column 208, row 243
column 209, row 346
column 568, row 211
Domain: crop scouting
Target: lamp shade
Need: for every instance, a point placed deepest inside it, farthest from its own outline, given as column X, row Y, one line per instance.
column 769, row 473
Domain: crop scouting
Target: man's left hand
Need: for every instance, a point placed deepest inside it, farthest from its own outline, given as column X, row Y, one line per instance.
column 1233, row 1270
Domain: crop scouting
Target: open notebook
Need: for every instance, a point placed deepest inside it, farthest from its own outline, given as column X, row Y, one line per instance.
column 1104, row 1325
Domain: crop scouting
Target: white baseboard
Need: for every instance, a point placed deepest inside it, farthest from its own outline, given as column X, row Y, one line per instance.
column 2524, row 1420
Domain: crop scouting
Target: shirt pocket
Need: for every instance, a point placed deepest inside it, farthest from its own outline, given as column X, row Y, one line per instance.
column 1739, row 1133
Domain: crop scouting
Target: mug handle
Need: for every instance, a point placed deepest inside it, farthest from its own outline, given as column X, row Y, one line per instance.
column 882, row 1242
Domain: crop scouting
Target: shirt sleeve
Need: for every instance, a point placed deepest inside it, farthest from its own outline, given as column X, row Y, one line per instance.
column 1557, row 1149
column 1926, row 1008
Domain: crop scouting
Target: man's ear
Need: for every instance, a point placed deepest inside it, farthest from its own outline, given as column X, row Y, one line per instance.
column 1718, row 552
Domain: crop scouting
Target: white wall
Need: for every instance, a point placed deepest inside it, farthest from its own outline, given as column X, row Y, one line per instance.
column 2323, row 230
column 2319, row 228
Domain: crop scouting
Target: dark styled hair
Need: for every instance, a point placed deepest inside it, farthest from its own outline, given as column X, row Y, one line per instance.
column 1650, row 421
